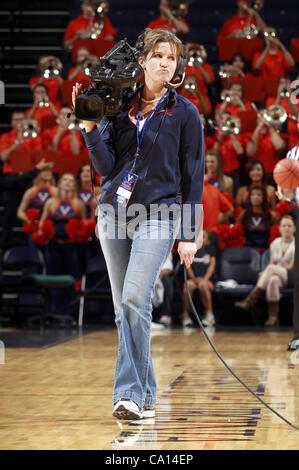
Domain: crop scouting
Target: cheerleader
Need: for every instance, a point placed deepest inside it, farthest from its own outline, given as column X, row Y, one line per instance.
column 62, row 252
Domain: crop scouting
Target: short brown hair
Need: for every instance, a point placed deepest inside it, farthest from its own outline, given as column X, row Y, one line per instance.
column 152, row 37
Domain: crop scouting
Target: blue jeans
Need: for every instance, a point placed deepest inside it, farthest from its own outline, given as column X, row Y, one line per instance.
column 134, row 260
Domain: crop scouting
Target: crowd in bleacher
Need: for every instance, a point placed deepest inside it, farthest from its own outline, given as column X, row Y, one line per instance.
column 243, row 142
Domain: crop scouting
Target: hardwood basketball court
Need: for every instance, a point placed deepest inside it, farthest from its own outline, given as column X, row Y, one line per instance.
column 59, row 397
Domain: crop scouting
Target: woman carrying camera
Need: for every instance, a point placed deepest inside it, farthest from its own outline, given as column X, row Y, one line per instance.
column 156, row 141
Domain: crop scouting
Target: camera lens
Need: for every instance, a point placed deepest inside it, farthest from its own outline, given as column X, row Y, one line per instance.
column 90, row 109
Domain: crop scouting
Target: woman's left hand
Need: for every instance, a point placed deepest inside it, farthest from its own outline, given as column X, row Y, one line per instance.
column 187, row 250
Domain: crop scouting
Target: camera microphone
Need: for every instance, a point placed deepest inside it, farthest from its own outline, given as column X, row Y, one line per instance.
column 174, row 85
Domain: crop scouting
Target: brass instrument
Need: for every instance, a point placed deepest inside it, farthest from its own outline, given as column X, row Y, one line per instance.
column 225, row 96
column 51, row 69
column 232, row 125
column 190, row 87
column 197, row 55
column 75, row 124
column 103, row 8
column 43, row 102
column 30, row 128
column 270, row 33
column 89, row 65
column 257, row 4
column 285, row 93
column 275, row 115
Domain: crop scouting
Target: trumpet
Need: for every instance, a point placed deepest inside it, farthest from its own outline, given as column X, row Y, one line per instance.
column 43, row 102
column 270, row 33
column 257, row 4
column 90, row 65
column 75, row 124
column 285, row 93
column 51, row 69
column 190, row 87
column 102, row 8
column 275, row 115
column 225, row 96
column 250, row 32
column 197, row 55
column 30, row 128
column 231, row 125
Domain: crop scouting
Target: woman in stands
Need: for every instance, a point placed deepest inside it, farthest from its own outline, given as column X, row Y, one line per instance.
column 42, row 106
column 62, row 252
column 255, row 176
column 236, row 70
column 54, row 84
column 236, row 101
column 279, row 272
column 166, row 163
column 214, row 173
column 43, row 188
column 257, row 219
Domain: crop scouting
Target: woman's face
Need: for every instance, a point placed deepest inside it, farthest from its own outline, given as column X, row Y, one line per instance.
column 211, row 164
column 46, row 177
column 82, row 55
column 67, row 183
column 287, row 228
column 40, row 93
column 238, row 63
column 85, row 174
column 256, row 198
column 236, row 90
column 256, row 174
column 160, row 64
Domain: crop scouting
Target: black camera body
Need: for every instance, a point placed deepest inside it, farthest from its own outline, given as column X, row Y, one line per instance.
column 118, row 75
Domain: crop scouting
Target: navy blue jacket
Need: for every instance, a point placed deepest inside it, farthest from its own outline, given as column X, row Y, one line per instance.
column 176, row 169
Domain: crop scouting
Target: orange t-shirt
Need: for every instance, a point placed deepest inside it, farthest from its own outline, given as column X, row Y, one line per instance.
column 232, row 24
column 80, row 22
column 9, row 138
column 39, row 113
column 214, row 202
column 65, row 141
column 230, row 158
column 274, row 64
column 235, row 109
column 161, row 23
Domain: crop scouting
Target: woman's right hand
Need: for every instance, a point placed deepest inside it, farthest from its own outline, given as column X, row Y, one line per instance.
column 77, row 90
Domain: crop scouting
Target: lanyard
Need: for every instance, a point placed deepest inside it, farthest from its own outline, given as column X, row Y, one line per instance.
column 139, row 135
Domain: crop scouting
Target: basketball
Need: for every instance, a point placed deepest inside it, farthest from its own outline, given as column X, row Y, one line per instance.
column 286, row 173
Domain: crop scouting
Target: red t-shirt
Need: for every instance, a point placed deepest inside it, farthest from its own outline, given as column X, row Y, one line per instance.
column 161, row 23
column 8, row 139
column 274, row 64
column 80, row 22
column 232, row 24
column 230, row 158
column 39, row 113
column 65, row 140
column 52, row 85
column 213, row 202
column 200, row 80
column 80, row 77
column 196, row 101
column 265, row 153
column 235, row 109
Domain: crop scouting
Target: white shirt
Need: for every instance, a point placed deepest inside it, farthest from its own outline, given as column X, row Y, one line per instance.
column 294, row 153
column 277, row 256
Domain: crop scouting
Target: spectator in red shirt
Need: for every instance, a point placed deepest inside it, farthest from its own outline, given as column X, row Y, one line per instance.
column 217, row 208
column 283, row 99
column 53, row 84
column 191, row 91
column 81, row 26
column 60, row 138
column 233, row 27
column 14, row 140
column 77, row 73
column 42, row 105
column 275, row 60
column 264, row 144
column 236, row 101
column 168, row 21
column 235, row 71
column 230, row 146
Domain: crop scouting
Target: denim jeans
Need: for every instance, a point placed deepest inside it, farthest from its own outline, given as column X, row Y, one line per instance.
column 134, row 260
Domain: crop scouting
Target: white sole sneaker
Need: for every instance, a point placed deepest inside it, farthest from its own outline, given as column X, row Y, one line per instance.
column 208, row 320
column 127, row 409
column 148, row 412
